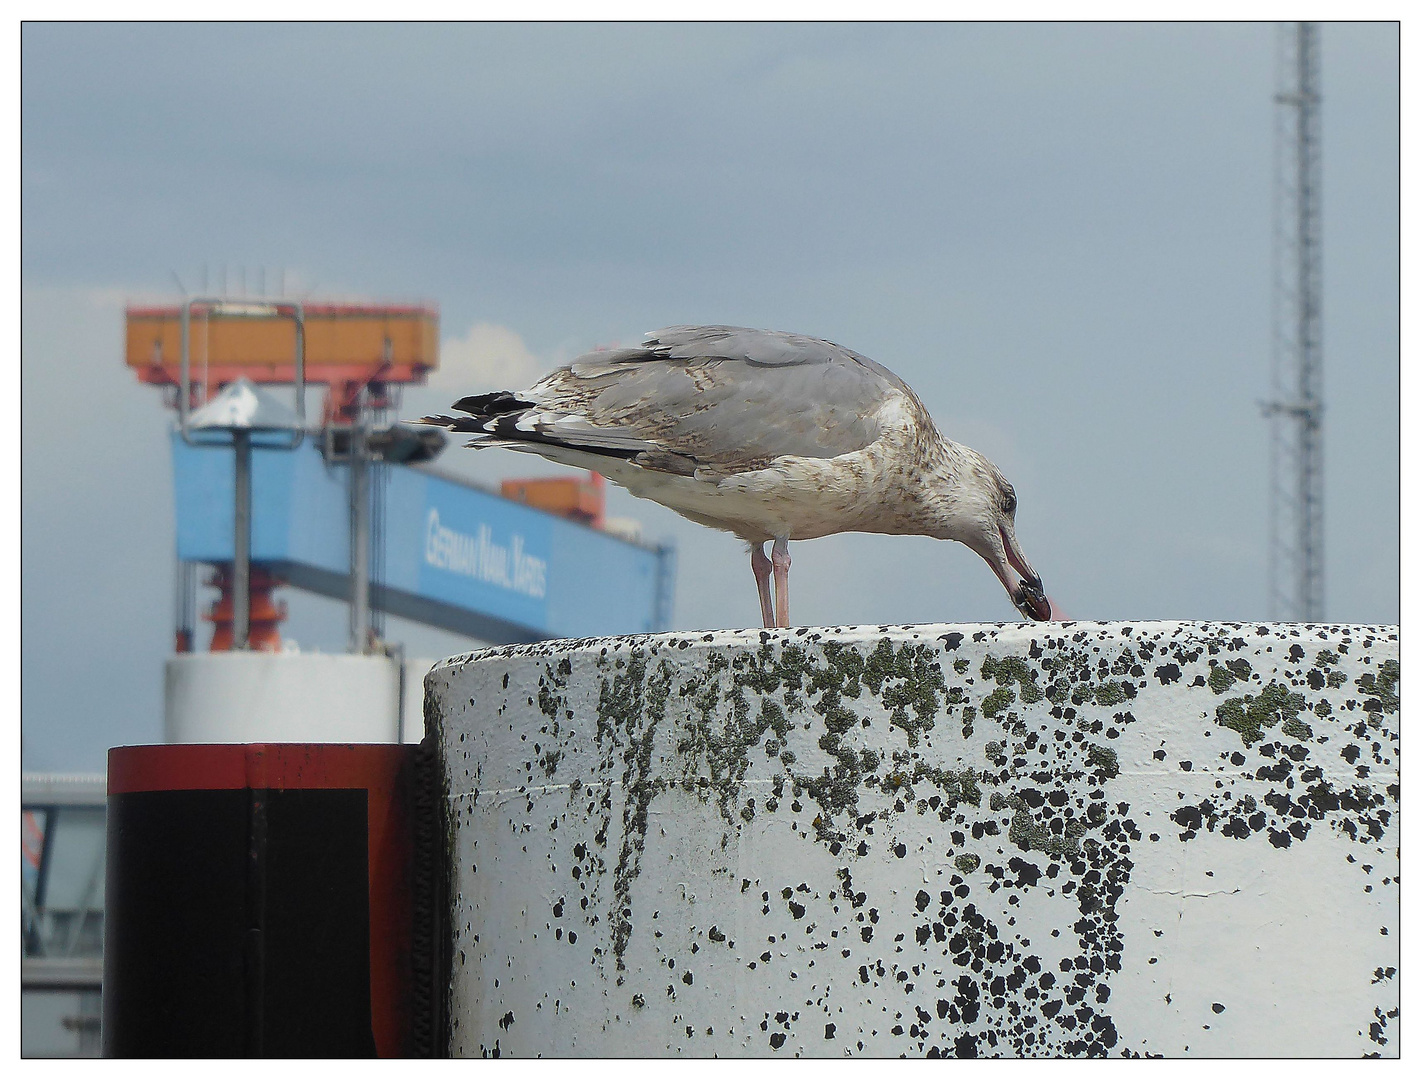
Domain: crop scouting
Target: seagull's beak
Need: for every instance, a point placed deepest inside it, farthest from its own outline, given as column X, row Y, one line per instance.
column 1023, row 584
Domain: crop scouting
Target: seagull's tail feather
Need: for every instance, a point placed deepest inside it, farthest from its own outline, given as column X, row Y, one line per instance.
column 485, row 412
column 494, row 404
column 504, row 419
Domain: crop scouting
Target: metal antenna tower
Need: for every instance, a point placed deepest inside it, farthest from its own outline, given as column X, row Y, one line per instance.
column 1295, row 575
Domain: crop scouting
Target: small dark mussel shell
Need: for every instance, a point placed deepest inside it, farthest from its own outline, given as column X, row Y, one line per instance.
column 1029, row 597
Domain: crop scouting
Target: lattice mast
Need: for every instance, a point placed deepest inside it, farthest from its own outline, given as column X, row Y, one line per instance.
column 1295, row 563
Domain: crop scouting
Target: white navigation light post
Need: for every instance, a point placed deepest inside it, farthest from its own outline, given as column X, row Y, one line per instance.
column 236, row 414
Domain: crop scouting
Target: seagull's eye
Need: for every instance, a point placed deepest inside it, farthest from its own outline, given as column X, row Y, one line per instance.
column 1009, row 502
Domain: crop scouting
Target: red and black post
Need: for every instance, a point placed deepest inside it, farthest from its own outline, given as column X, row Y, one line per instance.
column 272, row 900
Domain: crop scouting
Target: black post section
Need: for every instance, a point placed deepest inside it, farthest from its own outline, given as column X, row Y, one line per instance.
column 175, row 934
column 430, row 905
column 245, row 917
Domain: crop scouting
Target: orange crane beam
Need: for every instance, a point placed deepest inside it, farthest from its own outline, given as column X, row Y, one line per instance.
column 345, row 343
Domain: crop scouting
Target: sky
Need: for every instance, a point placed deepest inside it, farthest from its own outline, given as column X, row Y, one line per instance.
column 1059, row 235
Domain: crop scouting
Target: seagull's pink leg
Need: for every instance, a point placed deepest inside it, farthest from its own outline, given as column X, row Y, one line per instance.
column 779, row 558
column 760, row 564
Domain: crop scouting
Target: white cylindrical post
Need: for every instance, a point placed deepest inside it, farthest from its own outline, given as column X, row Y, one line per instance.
column 1062, row 839
column 237, row 697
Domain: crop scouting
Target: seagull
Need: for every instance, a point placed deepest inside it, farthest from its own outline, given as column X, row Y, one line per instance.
column 768, row 435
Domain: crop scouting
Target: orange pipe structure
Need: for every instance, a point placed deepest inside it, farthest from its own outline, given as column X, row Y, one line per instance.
column 264, row 630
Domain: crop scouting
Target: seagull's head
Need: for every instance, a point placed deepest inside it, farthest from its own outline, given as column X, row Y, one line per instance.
column 982, row 514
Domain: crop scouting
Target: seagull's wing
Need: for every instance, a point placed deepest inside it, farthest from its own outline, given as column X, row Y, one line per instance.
column 722, row 398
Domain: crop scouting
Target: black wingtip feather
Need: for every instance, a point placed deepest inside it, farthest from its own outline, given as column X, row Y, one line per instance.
column 496, row 416
column 494, row 404
column 483, row 425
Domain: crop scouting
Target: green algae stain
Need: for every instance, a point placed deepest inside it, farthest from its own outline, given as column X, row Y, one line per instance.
column 954, row 697
column 843, row 670
column 552, row 703
column 772, row 716
column 997, row 700
column 906, row 678
column 1296, row 728
column 1220, row 678
column 907, row 681
column 722, row 749
column 1249, row 715
column 1030, row 835
column 1010, row 670
column 1241, row 668
column 969, row 714
column 739, row 701
column 547, row 702
column 956, row 787
column 1079, row 679
column 630, row 708
column 1381, row 687
column 967, row 863
column 1110, row 693
column 1326, row 659
column 1105, row 760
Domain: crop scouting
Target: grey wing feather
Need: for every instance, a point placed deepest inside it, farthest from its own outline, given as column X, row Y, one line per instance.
column 730, row 397
column 725, row 398
column 769, row 348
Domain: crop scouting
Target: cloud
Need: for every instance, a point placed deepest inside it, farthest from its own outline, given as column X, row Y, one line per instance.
column 487, row 357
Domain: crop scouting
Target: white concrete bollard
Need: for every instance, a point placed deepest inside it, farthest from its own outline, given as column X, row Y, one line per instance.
column 234, row 697
column 1065, row 839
